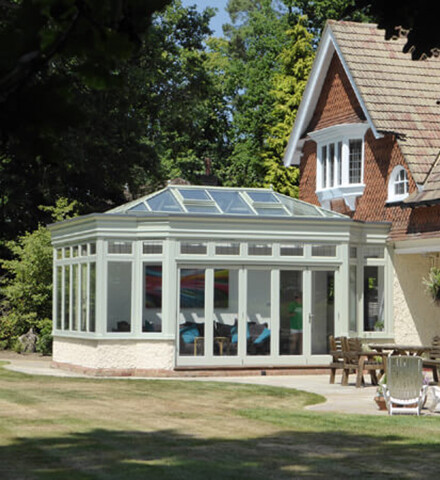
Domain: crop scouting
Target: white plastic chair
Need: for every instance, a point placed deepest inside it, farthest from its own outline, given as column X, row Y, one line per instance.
column 404, row 391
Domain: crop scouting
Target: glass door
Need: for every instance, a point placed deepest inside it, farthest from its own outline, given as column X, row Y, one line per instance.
column 225, row 313
column 291, row 313
column 258, row 312
column 322, row 310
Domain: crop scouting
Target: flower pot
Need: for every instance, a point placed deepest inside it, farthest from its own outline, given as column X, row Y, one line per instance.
column 380, row 401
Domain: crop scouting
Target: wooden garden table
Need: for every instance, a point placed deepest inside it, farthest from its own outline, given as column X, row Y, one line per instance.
column 396, row 349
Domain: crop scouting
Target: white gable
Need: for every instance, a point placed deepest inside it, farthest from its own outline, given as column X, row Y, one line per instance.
column 326, row 49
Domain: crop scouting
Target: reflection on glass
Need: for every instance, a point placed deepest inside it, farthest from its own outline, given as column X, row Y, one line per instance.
column 83, row 301
column 75, row 297
column 152, row 321
column 373, row 299
column 119, row 297
column 192, row 312
column 231, row 202
column 353, row 299
column 164, row 202
column 59, row 293
column 291, row 313
column 323, row 309
column 258, row 312
column 66, row 298
column 92, row 296
column 225, row 339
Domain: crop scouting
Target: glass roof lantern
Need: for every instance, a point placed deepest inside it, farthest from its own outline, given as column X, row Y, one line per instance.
column 204, row 200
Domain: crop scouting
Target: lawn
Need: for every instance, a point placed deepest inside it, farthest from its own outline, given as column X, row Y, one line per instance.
column 63, row 428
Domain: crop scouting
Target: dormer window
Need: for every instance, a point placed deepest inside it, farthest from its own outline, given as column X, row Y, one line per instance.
column 340, row 163
column 398, row 184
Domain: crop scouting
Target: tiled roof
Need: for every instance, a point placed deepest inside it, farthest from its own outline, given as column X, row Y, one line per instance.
column 400, row 95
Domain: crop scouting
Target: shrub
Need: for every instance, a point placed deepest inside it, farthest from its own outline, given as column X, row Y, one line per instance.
column 27, row 286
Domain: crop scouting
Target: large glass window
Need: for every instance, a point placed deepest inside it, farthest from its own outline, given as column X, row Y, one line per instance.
column 192, row 312
column 84, row 299
column 291, row 312
column 225, row 312
column 373, row 298
column 67, row 297
column 152, row 319
column 92, row 297
column 75, row 311
column 59, row 293
column 258, row 312
column 353, row 298
column 119, row 296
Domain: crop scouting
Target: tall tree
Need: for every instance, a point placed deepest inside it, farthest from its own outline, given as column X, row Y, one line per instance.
column 296, row 62
column 252, row 45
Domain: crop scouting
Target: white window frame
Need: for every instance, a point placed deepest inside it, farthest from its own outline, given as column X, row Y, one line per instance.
column 393, row 181
column 340, row 187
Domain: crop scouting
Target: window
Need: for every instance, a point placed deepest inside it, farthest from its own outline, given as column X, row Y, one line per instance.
column 152, row 318
column 152, row 247
column 193, row 248
column 232, row 248
column 340, row 159
column 259, row 249
column 373, row 298
column 118, row 296
column 115, row 247
column 398, row 185
column 355, row 161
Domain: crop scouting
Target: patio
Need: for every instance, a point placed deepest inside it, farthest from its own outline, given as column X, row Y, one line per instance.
column 340, row 399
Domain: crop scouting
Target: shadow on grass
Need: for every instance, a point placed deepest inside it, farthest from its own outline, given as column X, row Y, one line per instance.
column 168, row 454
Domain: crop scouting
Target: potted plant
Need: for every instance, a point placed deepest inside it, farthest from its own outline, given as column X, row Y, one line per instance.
column 432, row 284
column 379, row 396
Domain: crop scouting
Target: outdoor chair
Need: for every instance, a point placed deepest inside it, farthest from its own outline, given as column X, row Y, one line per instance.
column 357, row 361
column 337, row 362
column 433, row 360
column 404, row 391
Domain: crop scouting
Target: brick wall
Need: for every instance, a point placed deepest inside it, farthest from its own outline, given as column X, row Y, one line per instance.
column 338, row 104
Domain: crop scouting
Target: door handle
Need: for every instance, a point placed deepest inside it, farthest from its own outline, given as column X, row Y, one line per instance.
column 311, row 316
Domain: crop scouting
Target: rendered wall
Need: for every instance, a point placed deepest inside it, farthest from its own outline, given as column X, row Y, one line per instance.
column 114, row 356
column 416, row 317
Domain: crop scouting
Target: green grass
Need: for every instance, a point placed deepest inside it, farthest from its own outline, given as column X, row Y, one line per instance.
column 61, row 428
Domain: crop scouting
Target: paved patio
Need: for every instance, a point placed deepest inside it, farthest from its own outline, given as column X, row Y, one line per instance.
column 340, row 399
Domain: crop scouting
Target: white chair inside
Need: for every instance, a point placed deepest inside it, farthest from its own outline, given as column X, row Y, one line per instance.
column 404, row 391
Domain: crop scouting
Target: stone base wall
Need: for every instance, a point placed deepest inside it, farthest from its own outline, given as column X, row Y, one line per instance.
column 416, row 317
column 120, row 357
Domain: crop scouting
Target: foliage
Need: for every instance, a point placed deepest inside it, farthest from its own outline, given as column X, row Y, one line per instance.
column 161, row 115
column 27, row 286
column 432, row 284
column 248, row 59
column 319, row 11
column 288, row 86
column 420, row 19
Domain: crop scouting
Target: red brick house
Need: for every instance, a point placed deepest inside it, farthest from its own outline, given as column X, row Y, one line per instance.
column 367, row 140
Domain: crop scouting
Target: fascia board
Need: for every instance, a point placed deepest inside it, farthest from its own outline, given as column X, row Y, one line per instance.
column 313, row 89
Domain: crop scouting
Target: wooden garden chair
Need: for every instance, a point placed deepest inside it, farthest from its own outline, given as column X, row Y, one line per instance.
column 433, row 360
column 357, row 361
column 337, row 362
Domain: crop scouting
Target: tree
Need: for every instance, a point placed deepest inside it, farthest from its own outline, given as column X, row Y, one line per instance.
column 158, row 115
column 319, row 11
column 249, row 58
column 288, row 86
column 27, row 286
column 418, row 19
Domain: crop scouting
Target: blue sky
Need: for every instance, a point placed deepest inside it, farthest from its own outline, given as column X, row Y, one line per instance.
column 217, row 21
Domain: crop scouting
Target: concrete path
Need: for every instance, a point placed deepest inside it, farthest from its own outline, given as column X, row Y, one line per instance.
column 339, row 399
